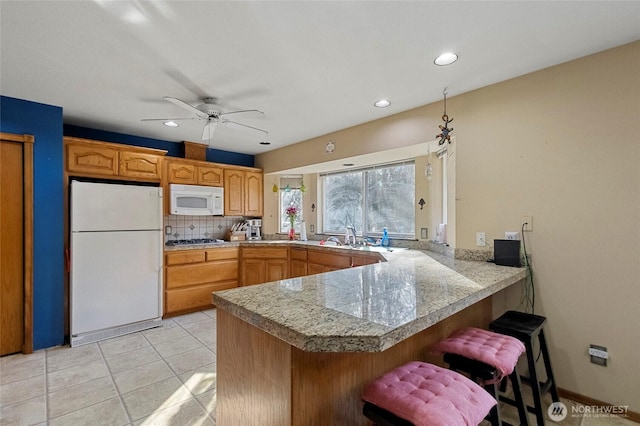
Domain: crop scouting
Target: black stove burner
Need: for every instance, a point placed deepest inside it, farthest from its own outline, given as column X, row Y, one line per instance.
column 189, row 242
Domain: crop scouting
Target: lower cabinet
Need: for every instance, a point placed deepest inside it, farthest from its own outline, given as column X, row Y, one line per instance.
column 319, row 261
column 297, row 262
column 263, row 264
column 192, row 275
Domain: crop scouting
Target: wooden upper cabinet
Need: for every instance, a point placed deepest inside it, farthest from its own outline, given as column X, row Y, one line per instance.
column 92, row 159
column 139, row 165
column 211, row 176
column 253, row 194
column 179, row 172
column 243, row 193
column 233, row 192
column 85, row 157
column 190, row 172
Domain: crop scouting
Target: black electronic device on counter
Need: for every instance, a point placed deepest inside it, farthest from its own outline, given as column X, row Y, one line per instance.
column 506, row 252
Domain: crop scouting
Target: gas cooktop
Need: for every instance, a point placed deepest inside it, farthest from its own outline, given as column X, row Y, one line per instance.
column 193, row 241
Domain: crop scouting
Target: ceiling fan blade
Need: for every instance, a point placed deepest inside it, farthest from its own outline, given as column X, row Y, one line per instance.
column 169, row 119
column 209, row 129
column 183, row 104
column 242, row 112
column 245, row 128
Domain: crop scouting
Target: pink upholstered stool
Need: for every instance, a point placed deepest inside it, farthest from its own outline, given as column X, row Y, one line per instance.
column 488, row 358
column 420, row 394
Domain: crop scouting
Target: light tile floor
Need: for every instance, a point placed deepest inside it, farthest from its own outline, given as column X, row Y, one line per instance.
column 161, row 376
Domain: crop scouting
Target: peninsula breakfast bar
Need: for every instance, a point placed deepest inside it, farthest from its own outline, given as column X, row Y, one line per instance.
column 299, row 351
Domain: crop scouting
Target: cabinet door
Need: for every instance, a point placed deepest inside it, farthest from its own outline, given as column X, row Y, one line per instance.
column 253, row 194
column 210, row 176
column 276, row 269
column 364, row 260
column 138, row 165
column 181, row 173
column 233, row 192
column 253, row 271
column 297, row 268
column 96, row 160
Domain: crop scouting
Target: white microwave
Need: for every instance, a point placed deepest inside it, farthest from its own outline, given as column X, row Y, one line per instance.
column 195, row 200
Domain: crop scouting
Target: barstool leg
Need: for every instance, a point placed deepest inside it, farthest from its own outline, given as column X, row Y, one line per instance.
column 494, row 415
column 535, row 383
column 547, row 365
column 517, row 394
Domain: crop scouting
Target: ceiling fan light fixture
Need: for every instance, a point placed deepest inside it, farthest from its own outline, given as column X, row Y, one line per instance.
column 170, row 123
column 382, row 103
column 446, row 58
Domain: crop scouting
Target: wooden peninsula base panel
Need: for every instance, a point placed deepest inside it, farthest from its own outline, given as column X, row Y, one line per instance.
column 262, row 380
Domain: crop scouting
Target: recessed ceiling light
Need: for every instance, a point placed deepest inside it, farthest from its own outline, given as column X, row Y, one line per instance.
column 446, row 59
column 265, row 143
column 382, row 103
column 170, row 124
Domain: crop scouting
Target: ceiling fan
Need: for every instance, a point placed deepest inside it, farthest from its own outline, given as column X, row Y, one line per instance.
column 210, row 111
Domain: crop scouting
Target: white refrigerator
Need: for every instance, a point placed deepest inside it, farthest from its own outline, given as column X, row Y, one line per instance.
column 116, row 260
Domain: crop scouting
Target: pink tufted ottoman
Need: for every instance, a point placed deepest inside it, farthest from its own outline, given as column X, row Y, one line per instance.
column 419, row 393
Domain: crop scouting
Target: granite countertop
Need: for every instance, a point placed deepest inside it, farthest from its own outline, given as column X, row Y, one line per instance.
column 368, row 308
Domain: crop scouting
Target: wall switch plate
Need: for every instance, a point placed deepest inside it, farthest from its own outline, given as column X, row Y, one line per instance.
column 423, row 233
column 481, row 239
column 168, row 230
column 511, row 235
column 599, row 355
column 529, row 223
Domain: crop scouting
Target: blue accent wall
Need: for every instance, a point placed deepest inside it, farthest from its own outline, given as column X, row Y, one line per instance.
column 44, row 122
column 174, row 149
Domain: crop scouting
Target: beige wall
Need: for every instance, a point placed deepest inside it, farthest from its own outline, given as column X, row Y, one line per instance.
column 561, row 145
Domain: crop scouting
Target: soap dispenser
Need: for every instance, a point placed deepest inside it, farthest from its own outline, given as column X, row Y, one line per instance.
column 385, row 238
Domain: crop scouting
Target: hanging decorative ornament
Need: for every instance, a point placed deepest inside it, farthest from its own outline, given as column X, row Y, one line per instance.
column 274, row 188
column 303, row 188
column 428, row 170
column 445, row 134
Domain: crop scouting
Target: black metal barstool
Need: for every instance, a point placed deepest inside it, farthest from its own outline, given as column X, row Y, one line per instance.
column 526, row 328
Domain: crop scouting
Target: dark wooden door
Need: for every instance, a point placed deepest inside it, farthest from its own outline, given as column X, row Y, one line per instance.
column 11, row 247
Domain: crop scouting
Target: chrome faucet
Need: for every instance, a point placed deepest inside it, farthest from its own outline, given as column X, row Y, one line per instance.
column 351, row 229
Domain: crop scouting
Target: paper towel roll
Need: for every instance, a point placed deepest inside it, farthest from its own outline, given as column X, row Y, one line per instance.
column 303, row 231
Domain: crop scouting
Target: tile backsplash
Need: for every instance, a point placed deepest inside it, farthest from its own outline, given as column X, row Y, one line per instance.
column 191, row 227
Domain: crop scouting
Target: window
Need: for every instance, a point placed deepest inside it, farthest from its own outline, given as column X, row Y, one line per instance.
column 371, row 199
column 290, row 195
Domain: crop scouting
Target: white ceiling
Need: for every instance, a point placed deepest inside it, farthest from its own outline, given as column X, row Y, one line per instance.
column 312, row 67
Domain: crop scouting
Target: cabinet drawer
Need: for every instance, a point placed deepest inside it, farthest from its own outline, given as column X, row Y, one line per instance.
column 194, row 297
column 333, row 260
column 222, row 253
column 182, row 257
column 365, row 260
column 201, row 273
column 265, row 253
column 298, row 254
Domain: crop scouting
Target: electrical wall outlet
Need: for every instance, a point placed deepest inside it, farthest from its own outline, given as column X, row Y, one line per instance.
column 481, row 239
column 511, row 235
column 599, row 355
column 528, row 220
column 312, row 229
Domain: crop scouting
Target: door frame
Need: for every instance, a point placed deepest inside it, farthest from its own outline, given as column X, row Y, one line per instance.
column 27, row 172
